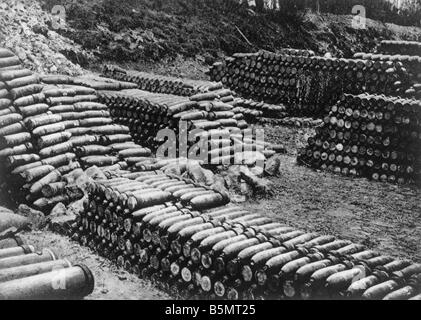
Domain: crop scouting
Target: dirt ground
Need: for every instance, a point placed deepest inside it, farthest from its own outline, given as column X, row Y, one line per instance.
column 382, row 216
column 111, row 283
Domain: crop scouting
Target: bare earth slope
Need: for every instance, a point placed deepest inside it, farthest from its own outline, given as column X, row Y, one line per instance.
column 145, row 35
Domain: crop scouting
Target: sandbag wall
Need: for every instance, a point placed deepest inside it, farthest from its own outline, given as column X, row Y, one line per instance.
column 161, row 84
column 202, row 249
column 29, row 275
column 370, row 136
column 308, row 86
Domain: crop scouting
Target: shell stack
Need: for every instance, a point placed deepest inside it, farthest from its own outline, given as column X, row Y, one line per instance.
column 393, row 47
column 307, row 85
column 27, row 274
column 371, row 136
column 147, row 113
column 50, row 128
column 253, row 111
column 161, row 84
column 30, row 164
column 185, row 240
column 411, row 63
column 296, row 52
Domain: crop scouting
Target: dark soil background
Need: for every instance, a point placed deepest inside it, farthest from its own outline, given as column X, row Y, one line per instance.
column 138, row 32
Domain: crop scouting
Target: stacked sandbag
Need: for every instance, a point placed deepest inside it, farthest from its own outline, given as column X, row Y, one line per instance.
column 161, row 84
column 226, row 252
column 308, row 86
column 369, row 136
column 26, row 274
column 394, row 47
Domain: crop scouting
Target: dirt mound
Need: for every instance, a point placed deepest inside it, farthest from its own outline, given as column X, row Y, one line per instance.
column 142, row 30
column 26, row 29
column 176, row 37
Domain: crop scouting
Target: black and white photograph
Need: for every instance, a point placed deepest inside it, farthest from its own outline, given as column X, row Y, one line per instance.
column 210, row 156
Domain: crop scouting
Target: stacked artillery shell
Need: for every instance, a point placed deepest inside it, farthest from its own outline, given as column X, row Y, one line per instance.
column 25, row 167
column 147, row 224
column 51, row 150
column 414, row 92
column 113, row 220
column 370, row 136
column 161, row 84
column 296, row 52
column 143, row 112
column 93, row 82
column 95, row 138
column 309, row 86
column 29, row 275
column 146, row 113
column 411, row 63
column 393, row 47
column 253, row 111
